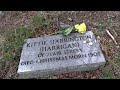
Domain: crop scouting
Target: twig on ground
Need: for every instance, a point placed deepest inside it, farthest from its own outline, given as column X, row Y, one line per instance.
column 111, row 37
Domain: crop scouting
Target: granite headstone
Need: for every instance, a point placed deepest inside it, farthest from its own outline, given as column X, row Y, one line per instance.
column 57, row 54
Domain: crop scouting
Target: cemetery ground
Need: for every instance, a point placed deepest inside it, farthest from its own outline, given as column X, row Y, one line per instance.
column 16, row 26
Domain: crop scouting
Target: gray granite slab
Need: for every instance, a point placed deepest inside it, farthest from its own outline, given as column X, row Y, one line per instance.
column 51, row 55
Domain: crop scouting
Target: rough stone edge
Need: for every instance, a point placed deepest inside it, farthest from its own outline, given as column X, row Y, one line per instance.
column 50, row 72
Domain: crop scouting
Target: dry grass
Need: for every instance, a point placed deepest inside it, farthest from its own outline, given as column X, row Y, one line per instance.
column 35, row 24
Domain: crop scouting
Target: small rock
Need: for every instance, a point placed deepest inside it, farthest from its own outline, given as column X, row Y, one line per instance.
column 98, row 37
column 84, row 41
column 70, row 19
column 90, row 43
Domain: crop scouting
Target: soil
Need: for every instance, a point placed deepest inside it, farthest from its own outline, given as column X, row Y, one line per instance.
column 10, row 20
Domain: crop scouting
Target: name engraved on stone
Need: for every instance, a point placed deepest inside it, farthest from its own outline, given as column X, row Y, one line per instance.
column 58, row 54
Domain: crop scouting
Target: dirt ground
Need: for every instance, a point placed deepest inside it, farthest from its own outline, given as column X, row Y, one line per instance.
column 12, row 19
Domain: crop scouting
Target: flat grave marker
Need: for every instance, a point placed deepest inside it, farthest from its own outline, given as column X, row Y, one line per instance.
column 57, row 54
